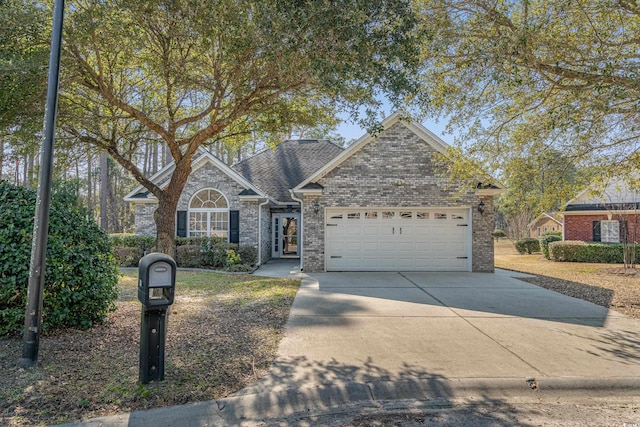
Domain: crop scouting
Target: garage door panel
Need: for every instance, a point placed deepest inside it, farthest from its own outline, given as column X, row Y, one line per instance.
column 400, row 239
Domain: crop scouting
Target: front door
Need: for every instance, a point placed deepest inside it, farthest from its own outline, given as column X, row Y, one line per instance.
column 286, row 235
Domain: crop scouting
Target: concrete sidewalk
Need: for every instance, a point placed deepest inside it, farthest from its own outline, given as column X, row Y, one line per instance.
column 358, row 341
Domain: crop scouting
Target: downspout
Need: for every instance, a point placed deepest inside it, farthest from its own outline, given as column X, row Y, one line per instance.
column 301, row 237
column 260, row 205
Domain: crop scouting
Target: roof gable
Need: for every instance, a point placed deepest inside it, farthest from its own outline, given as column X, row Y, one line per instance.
column 141, row 194
column 616, row 194
column 423, row 133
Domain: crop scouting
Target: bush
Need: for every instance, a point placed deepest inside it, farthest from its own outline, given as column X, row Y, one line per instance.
column 528, row 245
column 81, row 273
column 145, row 243
column 248, row 255
column 239, row 268
column 213, row 249
column 189, row 256
column 544, row 243
column 498, row 234
column 127, row 257
column 578, row 251
column 232, row 258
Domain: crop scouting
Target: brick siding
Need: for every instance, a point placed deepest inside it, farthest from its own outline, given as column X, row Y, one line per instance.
column 395, row 169
column 209, row 176
column 580, row 227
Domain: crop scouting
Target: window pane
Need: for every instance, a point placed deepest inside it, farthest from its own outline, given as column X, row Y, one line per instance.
column 440, row 215
column 388, row 214
column 422, row 215
column 208, row 199
column 371, row 215
column 353, row 215
column 405, row 215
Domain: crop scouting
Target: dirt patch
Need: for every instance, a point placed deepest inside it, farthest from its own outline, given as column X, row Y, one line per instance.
column 621, row 271
column 222, row 335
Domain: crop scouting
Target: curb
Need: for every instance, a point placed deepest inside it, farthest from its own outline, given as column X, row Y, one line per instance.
column 405, row 394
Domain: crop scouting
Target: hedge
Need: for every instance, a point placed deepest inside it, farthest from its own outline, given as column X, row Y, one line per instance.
column 578, row 251
column 81, row 272
column 189, row 251
column 528, row 245
column 544, row 243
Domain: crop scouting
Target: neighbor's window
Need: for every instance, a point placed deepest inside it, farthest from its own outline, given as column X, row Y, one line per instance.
column 610, row 231
column 209, row 214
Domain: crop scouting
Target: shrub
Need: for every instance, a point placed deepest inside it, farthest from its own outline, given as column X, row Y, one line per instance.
column 127, row 257
column 232, row 258
column 239, row 268
column 578, row 251
column 189, row 256
column 81, row 273
column 145, row 243
column 248, row 255
column 213, row 249
column 528, row 245
column 544, row 243
column 499, row 234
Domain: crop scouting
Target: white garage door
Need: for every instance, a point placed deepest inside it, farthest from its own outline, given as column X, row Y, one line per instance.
column 398, row 239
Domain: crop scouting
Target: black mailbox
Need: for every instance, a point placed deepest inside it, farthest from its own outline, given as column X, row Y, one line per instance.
column 156, row 280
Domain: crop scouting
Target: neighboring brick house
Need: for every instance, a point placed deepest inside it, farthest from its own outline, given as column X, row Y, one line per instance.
column 382, row 204
column 611, row 217
column 545, row 223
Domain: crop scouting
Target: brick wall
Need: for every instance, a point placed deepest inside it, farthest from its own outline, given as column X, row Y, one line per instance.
column 395, row 169
column 580, row 227
column 207, row 176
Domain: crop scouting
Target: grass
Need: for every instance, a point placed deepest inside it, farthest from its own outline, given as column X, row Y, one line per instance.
column 222, row 335
column 593, row 282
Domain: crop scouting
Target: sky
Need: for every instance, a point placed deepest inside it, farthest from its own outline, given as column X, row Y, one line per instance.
column 351, row 131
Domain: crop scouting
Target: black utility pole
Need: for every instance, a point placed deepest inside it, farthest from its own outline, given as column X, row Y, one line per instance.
column 33, row 312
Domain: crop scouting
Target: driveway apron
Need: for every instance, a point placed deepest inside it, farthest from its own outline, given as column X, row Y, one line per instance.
column 376, row 327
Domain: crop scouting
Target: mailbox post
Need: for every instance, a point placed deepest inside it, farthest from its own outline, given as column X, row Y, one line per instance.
column 156, row 287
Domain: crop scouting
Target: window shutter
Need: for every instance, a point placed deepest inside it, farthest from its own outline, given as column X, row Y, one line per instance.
column 234, row 226
column 181, row 224
column 597, row 236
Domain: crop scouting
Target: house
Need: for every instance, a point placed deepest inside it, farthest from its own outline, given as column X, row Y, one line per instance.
column 545, row 223
column 381, row 204
column 611, row 216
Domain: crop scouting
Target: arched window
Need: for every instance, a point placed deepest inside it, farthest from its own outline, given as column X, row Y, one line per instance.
column 209, row 214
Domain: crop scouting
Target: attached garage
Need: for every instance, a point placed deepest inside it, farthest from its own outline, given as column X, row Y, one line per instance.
column 398, row 239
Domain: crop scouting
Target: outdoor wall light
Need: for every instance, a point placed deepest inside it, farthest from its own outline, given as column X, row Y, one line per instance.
column 316, row 207
column 481, row 207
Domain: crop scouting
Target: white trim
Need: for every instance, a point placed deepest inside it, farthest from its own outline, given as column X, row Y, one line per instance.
column 196, row 164
column 600, row 212
column 311, row 191
column 490, row 191
column 208, row 211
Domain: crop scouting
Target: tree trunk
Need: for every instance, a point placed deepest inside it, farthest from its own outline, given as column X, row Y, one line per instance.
column 154, row 166
column 104, row 191
column 1, row 156
column 89, row 185
column 165, row 214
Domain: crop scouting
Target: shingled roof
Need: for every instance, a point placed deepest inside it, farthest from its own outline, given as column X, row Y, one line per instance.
column 277, row 171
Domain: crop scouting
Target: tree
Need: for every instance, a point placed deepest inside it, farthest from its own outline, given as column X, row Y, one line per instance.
column 194, row 72
column 532, row 74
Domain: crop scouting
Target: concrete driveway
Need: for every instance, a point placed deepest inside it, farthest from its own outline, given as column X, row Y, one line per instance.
column 449, row 327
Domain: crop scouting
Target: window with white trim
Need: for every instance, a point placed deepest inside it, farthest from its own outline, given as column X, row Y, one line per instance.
column 610, row 231
column 208, row 214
